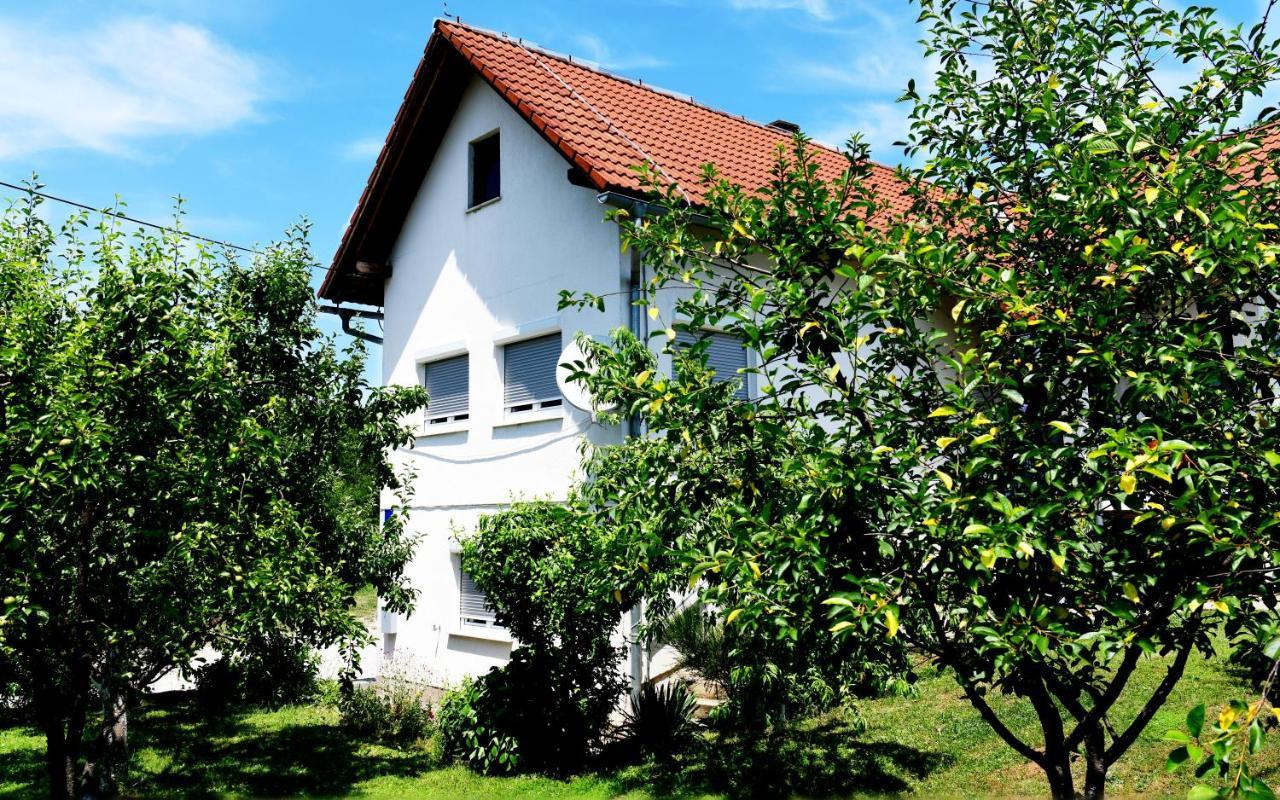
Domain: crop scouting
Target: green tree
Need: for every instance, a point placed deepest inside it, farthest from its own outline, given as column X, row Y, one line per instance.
column 188, row 462
column 547, row 571
column 1037, row 409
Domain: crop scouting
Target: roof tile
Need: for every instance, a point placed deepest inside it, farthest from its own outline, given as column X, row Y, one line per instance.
column 608, row 125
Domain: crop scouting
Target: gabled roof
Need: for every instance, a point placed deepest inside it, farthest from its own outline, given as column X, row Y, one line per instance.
column 601, row 123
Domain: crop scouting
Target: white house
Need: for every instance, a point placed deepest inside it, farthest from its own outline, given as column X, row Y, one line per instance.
column 487, row 200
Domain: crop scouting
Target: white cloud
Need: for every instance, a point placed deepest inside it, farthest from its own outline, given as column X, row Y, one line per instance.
column 366, row 148
column 880, row 123
column 596, row 49
column 114, row 86
column 820, row 9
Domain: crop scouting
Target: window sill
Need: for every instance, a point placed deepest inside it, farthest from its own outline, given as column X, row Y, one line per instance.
column 440, row 429
column 483, row 634
column 485, row 204
column 525, row 417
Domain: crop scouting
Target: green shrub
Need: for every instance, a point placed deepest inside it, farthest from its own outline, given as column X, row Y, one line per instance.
column 277, row 670
column 548, row 573
column 368, row 712
column 660, row 721
column 394, row 709
column 465, row 738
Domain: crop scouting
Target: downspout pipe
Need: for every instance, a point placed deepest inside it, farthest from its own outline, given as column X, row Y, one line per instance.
column 637, row 324
column 348, row 314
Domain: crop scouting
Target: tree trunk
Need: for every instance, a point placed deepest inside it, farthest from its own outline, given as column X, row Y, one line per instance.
column 1058, row 771
column 109, row 764
column 59, row 762
column 1095, row 764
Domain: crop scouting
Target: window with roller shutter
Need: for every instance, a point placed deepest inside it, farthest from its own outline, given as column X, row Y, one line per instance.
column 473, row 606
column 529, row 374
column 726, row 356
column 448, row 385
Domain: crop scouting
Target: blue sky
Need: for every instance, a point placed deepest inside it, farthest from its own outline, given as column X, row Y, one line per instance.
column 260, row 112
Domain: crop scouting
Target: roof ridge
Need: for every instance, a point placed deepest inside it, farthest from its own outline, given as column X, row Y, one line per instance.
column 684, row 98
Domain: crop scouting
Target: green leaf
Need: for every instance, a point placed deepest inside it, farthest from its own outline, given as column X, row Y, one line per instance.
column 1202, row 792
column 1195, row 720
column 1271, row 649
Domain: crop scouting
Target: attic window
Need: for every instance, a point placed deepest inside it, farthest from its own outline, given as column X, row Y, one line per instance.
column 486, row 170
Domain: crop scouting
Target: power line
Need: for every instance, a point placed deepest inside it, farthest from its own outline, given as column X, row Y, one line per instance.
column 144, row 223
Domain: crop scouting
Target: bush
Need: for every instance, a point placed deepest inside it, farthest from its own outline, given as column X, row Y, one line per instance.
column 395, row 709
column 463, row 736
column 548, row 573
column 764, row 682
column 275, row 671
column 660, row 721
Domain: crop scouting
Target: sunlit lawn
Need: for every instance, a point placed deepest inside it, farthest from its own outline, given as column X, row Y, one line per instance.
column 933, row 746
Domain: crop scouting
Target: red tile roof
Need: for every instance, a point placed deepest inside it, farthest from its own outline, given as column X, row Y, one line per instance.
column 602, row 124
column 605, row 124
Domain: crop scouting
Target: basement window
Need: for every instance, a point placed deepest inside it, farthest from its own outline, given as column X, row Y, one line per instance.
column 486, row 170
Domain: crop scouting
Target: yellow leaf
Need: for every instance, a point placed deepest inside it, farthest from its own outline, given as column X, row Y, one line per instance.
column 833, row 373
column 655, row 405
column 653, row 312
column 1227, row 717
column 1059, row 561
column 988, row 558
column 945, row 441
column 1221, row 606
column 956, row 310
column 1131, row 592
column 617, row 596
column 807, row 327
column 1128, row 483
column 1151, row 194
column 891, row 621
column 755, row 569
column 642, row 377
column 671, row 334
column 1026, row 549
column 942, row 411
column 881, row 449
column 946, row 479
column 734, row 614
column 1167, row 523
column 1063, row 426
column 931, row 523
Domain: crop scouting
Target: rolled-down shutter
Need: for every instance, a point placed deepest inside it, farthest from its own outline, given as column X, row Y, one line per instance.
column 725, row 356
column 448, row 385
column 529, row 371
column 474, row 606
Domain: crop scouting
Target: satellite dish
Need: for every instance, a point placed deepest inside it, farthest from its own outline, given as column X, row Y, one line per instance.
column 575, row 394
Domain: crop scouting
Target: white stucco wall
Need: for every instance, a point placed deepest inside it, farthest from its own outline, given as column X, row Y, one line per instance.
column 471, row 281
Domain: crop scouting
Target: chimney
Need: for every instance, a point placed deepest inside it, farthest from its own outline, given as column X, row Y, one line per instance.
column 785, row 126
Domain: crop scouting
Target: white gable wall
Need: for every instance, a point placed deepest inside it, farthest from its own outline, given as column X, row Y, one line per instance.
column 470, row 281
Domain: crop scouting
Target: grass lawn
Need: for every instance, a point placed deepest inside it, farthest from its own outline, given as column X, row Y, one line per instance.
column 935, row 746
column 366, row 607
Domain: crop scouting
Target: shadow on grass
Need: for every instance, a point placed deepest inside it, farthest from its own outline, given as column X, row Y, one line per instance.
column 210, row 755
column 817, row 759
column 183, row 750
